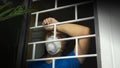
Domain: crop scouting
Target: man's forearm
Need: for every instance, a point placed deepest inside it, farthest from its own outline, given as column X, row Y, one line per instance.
column 73, row 29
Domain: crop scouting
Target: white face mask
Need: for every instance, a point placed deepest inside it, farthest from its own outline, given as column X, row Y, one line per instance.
column 53, row 47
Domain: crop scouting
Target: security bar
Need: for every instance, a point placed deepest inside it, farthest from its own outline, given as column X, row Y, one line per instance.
column 58, row 8
column 33, row 51
column 65, row 57
column 81, row 19
column 71, row 38
column 53, row 63
column 76, row 46
column 64, row 39
column 76, row 12
column 55, row 31
column 55, row 3
column 36, row 19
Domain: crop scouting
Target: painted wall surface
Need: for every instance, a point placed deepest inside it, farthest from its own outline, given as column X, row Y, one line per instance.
column 109, row 25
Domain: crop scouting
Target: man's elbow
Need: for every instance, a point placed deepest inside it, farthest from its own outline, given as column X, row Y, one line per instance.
column 86, row 31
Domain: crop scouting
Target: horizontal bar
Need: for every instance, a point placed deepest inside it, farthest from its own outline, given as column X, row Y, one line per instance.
column 53, row 9
column 64, row 57
column 81, row 19
column 71, row 38
column 34, row 0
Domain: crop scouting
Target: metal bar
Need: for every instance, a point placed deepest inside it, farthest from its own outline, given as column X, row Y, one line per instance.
column 70, row 21
column 33, row 51
column 66, row 57
column 36, row 20
column 76, row 42
column 53, row 63
column 55, row 3
column 55, row 31
column 34, row 0
column 48, row 10
column 76, row 12
column 71, row 38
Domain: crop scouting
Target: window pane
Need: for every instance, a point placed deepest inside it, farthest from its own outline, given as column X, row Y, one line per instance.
column 68, row 2
column 42, row 5
column 75, row 63
column 37, row 34
column 39, row 51
column 66, row 49
column 85, row 10
column 60, row 15
column 39, row 64
column 90, row 62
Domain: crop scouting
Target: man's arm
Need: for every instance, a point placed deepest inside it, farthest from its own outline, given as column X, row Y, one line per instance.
column 77, row 30
column 73, row 30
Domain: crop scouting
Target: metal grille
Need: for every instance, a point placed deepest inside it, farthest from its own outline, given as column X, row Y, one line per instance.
column 77, row 18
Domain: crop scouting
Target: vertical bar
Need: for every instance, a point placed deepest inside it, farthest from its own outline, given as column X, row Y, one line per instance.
column 76, row 13
column 53, row 63
column 36, row 20
column 33, row 52
column 55, row 3
column 76, row 42
column 55, row 31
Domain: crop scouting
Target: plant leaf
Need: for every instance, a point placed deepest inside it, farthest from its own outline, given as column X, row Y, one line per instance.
column 12, row 12
column 5, row 5
column 6, row 12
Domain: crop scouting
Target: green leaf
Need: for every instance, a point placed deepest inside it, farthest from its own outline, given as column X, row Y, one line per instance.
column 5, row 5
column 12, row 12
column 6, row 12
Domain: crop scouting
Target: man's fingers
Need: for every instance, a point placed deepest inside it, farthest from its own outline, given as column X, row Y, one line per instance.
column 44, row 23
column 49, row 20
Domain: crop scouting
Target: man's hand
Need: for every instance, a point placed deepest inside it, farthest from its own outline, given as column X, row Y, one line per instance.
column 48, row 21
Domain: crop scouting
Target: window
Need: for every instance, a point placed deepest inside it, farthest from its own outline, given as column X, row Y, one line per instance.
column 77, row 12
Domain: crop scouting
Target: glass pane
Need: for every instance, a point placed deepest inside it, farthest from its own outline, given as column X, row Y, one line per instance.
column 37, row 34
column 63, row 48
column 60, row 15
column 90, row 62
column 39, row 64
column 89, row 49
column 75, row 63
column 40, row 50
column 88, row 23
column 68, row 2
column 42, row 5
column 85, row 10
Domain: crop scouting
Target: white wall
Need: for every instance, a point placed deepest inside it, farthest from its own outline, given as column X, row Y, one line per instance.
column 109, row 25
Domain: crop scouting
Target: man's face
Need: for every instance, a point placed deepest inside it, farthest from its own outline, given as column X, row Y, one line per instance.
column 54, row 47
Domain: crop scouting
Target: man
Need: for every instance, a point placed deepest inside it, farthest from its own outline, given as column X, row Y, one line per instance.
column 55, row 49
